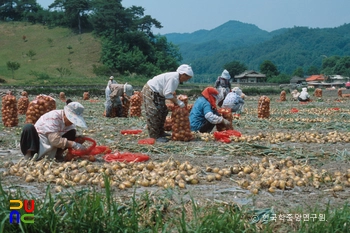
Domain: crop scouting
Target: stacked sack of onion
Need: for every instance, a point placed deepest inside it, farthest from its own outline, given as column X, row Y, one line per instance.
column 264, row 107
column 226, row 114
column 135, row 104
column 62, row 97
column 168, row 123
column 181, row 129
column 125, row 106
column 283, row 96
column 38, row 107
column 9, row 110
column 318, row 92
column 86, row 95
column 22, row 104
column 340, row 92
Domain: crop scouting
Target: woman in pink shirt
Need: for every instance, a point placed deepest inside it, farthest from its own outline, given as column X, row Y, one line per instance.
column 54, row 132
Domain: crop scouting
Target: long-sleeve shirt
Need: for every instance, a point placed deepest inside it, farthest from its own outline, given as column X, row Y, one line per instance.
column 232, row 99
column 304, row 95
column 165, row 84
column 50, row 128
column 202, row 111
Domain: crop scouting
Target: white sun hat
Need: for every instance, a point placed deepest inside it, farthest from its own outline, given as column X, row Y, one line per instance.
column 185, row 69
column 74, row 113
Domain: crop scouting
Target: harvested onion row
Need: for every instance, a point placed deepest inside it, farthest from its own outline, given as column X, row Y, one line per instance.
column 62, row 96
column 125, row 106
column 135, row 104
column 23, row 103
column 38, row 107
column 9, row 110
column 283, row 96
column 181, row 129
column 318, row 92
column 264, row 107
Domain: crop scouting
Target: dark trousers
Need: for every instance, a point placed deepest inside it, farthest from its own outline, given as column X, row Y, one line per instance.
column 301, row 100
column 30, row 139
column 207, row 127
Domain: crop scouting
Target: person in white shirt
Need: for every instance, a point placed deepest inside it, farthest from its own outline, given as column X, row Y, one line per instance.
column 155, row 92
column 304, row 95
column 234, row 100
column 54, row 132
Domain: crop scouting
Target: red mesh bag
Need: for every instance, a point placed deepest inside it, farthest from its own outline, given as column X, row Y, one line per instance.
column 126, row 157
column 88, row 142
column 294, row 110
column 147, row 141
column 131, row 131
column 224, row 136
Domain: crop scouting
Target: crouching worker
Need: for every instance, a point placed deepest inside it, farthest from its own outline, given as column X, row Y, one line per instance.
column 295, row 95
column 118, row 90
column 54, row 132
column 204, row 116
column 234, row 100
column 304, row 95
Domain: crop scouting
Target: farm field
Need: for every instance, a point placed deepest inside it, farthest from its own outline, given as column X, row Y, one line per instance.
column 296, row 162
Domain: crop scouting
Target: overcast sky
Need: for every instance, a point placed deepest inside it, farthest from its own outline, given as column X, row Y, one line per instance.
column 183, row 16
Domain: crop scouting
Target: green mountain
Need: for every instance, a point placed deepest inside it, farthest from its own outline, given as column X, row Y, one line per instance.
column 209, row 50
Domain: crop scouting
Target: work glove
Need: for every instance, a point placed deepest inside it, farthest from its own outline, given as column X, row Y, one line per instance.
column 226, row 122
column 78, row 146
column 180, row 103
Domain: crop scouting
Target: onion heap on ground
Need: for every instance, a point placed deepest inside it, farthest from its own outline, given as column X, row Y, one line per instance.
column 264, row 107
column 125, row 106
column 181, row 129
column 86, row 95
column 226, row 114
column 136, row 104
column 62, row 97
column 23, row 103
column 318, row 92
column 9, row 110
column 167, row 174
column 283, row 96
column 38, row 107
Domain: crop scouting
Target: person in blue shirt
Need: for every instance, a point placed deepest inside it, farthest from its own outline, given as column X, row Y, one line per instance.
column 204, row 116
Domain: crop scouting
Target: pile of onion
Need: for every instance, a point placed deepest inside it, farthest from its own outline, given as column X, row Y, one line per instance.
column 125, row 105
column 283, row 96
column 9, row 110
column 22, row 104
column 264, row 107
column 38, row 107
column 62, row 97
column 226, row 114
column 86, row 95
column 181, row 123
column 318, row 92
column 135, row 104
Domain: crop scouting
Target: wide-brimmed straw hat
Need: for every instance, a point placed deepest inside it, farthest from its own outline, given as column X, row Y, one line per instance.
column 74, row 113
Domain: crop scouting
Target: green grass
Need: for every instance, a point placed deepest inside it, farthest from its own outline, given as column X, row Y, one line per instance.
column 99, row 211
column 51, row 53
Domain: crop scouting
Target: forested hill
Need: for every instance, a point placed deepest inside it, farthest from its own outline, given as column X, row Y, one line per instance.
column 288, row 49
